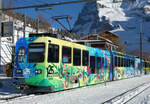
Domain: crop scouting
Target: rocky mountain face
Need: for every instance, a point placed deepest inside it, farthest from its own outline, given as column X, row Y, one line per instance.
column 126, row 18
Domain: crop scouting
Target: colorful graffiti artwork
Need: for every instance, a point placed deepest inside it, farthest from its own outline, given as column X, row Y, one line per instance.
column 62, row 73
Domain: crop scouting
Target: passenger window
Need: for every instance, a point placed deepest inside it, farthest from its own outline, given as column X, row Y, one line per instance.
column 99, row 64
column 85, row 56
column 122, row 63
column 76, row 57
column 133, row 63
column 102, row 60
column 125, row 62
column 116, row 62
column 92, row 64
column 66, row 54
column 119, row 62
column 53, row 53
column 128, row 62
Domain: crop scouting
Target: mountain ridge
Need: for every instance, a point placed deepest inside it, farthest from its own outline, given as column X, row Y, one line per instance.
column 121, row 17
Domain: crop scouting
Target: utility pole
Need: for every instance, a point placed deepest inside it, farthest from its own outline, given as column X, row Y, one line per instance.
column 0, row 34
column 13, row 48
column 24, row 26
column 141, row 47
column 37, row 23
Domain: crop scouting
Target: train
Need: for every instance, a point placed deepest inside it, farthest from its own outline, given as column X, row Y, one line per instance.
column 49, row 64
column 147, row 67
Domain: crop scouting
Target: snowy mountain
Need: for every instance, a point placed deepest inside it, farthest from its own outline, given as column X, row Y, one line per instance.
column 122, row 17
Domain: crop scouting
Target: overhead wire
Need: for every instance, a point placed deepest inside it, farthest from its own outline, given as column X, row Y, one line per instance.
column 48, row 5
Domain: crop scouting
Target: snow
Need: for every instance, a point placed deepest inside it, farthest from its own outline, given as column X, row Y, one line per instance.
column 7, row 90
column 129, row 95
column 123, row 18
column 95, row 94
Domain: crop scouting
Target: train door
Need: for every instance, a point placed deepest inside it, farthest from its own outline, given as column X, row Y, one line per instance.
column 93, row 64
column 137, row 66
column 19, row 61
column 111, row 73
column 53, row 53
column 100, row 67
column 66, row 70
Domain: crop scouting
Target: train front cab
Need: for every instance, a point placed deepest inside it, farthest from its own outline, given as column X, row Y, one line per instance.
column 20, row 51
column 30, row 62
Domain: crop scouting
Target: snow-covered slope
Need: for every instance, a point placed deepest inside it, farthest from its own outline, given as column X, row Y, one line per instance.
column 123, row 17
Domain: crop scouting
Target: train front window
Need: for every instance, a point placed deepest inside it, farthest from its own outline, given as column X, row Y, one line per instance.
column 36, row 52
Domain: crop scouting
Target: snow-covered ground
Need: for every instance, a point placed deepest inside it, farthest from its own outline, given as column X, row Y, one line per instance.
column 95, row 94
column 6, row 88
column 143, row 98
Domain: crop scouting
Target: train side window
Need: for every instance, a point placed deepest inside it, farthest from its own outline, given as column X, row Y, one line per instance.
column 128, row 62
column 66, row 54
column 116, row 62
column 119, row 62
column 145, row 64
column 102, row 60
column 21, row 54
column 122, row 62
column 99, row 63
column 76, row 57
column 85, row 58
column 133, row 63
column 53, row 53
column 92, row 64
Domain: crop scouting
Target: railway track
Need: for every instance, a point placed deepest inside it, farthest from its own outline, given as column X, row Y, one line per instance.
column 12, row 97
column 119, row 99
column 125, row 97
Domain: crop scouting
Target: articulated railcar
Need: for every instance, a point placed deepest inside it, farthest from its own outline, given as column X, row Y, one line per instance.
column 53, row 64
column 125, row 66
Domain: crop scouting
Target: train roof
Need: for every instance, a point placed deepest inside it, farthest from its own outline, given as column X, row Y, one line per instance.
column 43, row 35
column 123, row 54
column 54, row 36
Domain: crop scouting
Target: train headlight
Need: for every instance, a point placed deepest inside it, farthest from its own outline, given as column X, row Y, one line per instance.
column 19, row 71
column 38, row 71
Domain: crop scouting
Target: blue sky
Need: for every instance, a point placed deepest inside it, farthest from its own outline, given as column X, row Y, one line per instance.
column 71, row 9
